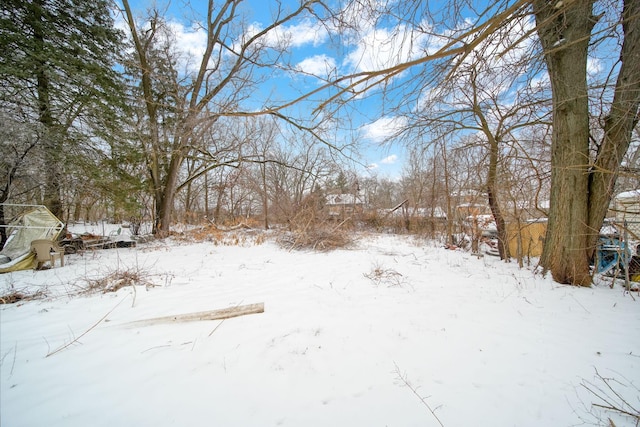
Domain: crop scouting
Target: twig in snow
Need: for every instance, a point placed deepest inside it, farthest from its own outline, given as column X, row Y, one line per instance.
column 13, row 364
column 153, row 348
column 220, row 324
column 576, row 300
column 403, row 377
column 217, row 326
column 75, row 340
column 610, row 398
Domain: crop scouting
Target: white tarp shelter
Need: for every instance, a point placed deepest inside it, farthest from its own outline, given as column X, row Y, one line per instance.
column 35, row 222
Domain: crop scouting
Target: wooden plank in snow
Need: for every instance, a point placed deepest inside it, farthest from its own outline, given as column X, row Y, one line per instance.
column 225, row 313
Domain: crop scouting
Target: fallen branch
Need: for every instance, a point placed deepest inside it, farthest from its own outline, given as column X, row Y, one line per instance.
column 225, row 313
column 398, row 206
column 403, row 377
column 611, row 398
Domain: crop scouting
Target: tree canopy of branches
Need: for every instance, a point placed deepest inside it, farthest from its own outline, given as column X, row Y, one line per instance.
column 496, row 75
column 581, row 183
column 181, row 106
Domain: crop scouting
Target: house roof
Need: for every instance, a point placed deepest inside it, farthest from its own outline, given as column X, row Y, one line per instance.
column 343, row 199
column 632, row 194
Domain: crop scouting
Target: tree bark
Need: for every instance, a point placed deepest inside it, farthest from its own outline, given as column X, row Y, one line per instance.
column 51, row 144
column 618, row 126
column 166, row 199
column 492, row 180
column 447, row 193
column 151, row 147
column 265, row 195
column 565, row 30
column 3, row 230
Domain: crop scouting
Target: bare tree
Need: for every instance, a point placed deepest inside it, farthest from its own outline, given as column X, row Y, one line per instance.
column 418, row 184
column 582, row 182
column 225, row 74
column 262, row 139
column 489, row 95
column 295, row 172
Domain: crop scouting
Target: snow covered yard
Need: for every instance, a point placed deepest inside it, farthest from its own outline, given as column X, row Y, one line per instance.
column 352, row 337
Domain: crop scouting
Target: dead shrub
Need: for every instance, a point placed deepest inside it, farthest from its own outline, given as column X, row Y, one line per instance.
column 387, row 276
column 116, row 280
column 307, row 229
column 15, row 296
column 239, row 234
column 372, row 220
column 206, row 233
column 317, row 239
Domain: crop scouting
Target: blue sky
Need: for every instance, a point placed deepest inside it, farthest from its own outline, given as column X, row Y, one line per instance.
column 319, row 51
column 316, row 52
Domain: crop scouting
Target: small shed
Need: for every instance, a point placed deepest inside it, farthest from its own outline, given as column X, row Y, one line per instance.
column 526, row 238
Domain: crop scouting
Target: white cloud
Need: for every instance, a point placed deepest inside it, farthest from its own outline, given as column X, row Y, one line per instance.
column 381, row 48
column 594, row 66
column 389, row 160
column 383, row 129
column 191, row 41
column 319, row 65
column 306, row 32
column 359, row 16
column 496, row 76
column 188, row 43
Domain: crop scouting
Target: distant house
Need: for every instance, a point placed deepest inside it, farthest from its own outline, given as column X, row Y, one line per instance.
column 436, row 212
column 429, row 213
column 626, row 206
column 466, row 210
column 341, row 206
column 469, row 203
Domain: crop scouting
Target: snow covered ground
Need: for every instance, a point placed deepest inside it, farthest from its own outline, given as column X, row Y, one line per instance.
column 380, row 334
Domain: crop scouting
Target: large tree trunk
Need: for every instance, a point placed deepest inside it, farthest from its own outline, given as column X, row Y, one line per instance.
column 492, row 181
column 163, row 211
column 501, row 226
column 51, row 144
column 166, row 197
column 618, row 126
column 492, row 195
column 447, row 193
column 3, row 230
column 163, row 189
column 565, row 30
column 265, row 195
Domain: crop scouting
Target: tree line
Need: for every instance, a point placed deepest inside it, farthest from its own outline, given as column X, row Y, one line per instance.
column 521, row 101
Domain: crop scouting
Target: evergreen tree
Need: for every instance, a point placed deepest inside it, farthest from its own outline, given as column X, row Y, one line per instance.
column 57, row 70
